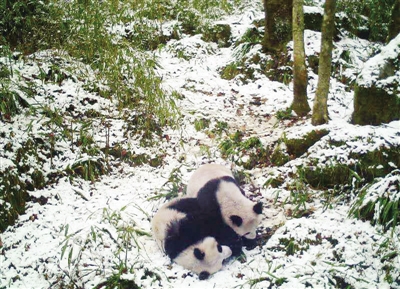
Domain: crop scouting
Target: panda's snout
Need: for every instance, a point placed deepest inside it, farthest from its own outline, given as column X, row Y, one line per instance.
column 226, row 252
column 250, row 235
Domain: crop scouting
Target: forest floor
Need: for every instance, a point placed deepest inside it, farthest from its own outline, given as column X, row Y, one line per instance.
column 84, row 232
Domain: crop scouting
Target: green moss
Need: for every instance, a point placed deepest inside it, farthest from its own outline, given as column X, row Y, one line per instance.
column 279, row 156
column 313, row 21
column 230, row 71
column 370, row 165
column 200, row 124
column 218, row 33
column 376, row 163
column 297, row 147
column 327, row 177
column 248, row 153
column 284, row 114
column 374, row 106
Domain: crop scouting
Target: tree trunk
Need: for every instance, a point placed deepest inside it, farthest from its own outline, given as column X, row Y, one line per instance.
column 278, row 24
column 320, row 107
column 300, row 103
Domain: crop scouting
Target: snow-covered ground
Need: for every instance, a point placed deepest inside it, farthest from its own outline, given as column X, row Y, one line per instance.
column 77, row 236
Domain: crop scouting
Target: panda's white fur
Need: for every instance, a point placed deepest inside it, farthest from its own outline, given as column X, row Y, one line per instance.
column 203, row 174
column 230, row 199
column 212, row 260
column 204, row 256
column 161, row 222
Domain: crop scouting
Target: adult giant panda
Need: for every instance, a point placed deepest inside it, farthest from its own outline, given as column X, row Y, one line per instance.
column 219, row 194
column 181, row 231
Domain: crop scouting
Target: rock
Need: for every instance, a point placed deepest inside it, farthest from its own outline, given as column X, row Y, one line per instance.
column 219, row 33
column 313, row 18
column 376, row 95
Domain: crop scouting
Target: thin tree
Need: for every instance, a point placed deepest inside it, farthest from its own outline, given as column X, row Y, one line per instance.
column 300, row 103
column 320, row 107
column 278, row 24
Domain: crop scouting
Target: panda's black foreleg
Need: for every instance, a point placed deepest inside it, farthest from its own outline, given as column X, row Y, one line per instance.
column 237, row 251
column 249, row 244
column 227, row 236
column 236, row 248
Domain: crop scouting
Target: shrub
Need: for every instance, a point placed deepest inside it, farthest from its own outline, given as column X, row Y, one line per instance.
column 380, row 202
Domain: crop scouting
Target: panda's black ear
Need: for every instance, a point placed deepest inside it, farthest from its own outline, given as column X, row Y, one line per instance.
column 258, row 208
column 204, row 275
column 198, row 254
column 236, row 220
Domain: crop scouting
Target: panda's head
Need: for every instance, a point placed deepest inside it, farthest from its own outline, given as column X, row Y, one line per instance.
column 204, row 258
column 245, row 223
column 240, row 213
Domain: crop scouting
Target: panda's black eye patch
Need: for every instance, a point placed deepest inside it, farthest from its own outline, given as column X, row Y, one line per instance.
column 236, row 220
column 199, row 254
column 219, row 247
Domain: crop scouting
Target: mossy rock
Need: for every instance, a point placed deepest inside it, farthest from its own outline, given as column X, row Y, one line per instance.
column 279, row 156
column 297, row 147
column 327, row 177
column 394, row 24
column 278, row 26
column 374, row 106
column 377, row 90
column 377, row 163
column 313, row 20
column 218, row 33
column 13, row 196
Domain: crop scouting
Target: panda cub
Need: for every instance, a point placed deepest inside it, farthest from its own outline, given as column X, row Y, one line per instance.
column 178, row 227
column 219, row 194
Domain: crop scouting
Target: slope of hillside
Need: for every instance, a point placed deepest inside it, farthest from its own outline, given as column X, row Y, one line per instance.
column 80, row 233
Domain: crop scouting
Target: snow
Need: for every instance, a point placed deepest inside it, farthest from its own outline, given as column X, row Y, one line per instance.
column 374, row 68
column 46, row 244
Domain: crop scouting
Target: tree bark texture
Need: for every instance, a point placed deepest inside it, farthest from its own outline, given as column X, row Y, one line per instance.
column 300, row 77
column 278, row 24
column 320, row 106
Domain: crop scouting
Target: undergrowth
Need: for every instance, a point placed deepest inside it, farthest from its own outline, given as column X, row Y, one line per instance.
column 116, row 238
column 249, row 153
